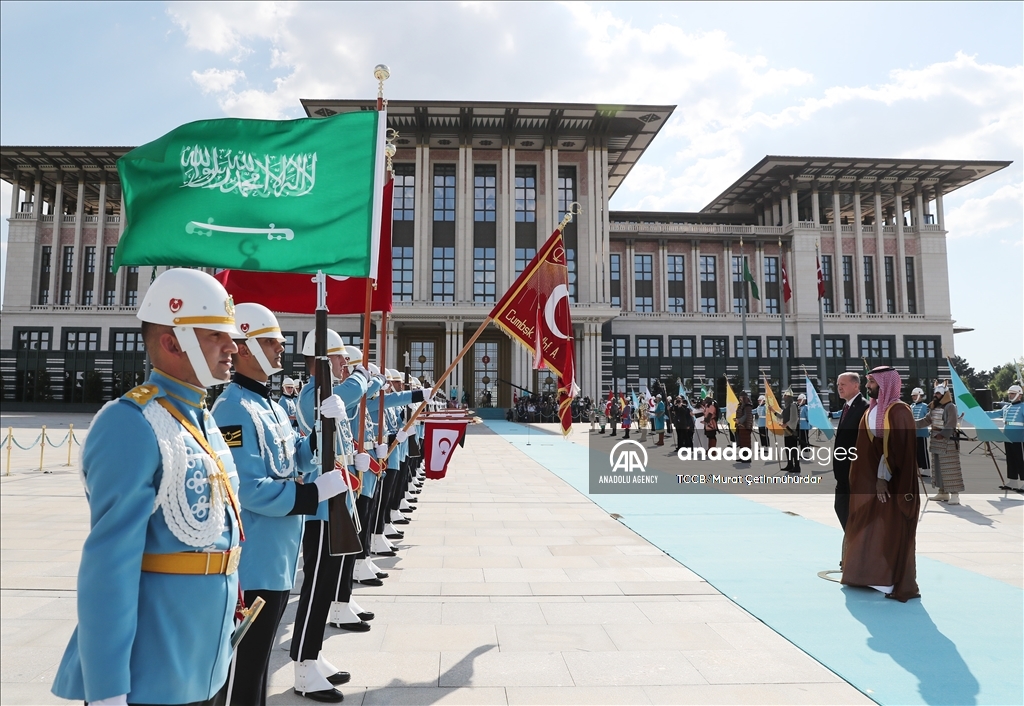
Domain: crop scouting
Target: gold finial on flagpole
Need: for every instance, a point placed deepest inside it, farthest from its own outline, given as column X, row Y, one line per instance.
column 389, row 147
column 382, row 73
column 574, row 209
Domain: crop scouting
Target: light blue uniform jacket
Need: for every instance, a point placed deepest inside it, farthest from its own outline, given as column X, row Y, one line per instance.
column 1013, row 421
column 350, row 391
column 920, row 410
column 804, row 422
column 160, row 638
column 289, row 404
column 761, row 413
column 267, row 486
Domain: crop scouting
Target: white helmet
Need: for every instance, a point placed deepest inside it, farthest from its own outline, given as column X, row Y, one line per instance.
column 257, row 321
column 186, row 300
column 917, row 392
column 353, row 356
column 761, row 398
column 393, row 375
column 802, row 397
column 334, row 344
column 939, row 390
column 1014, row 391
column 287, row 382
column 374, row 370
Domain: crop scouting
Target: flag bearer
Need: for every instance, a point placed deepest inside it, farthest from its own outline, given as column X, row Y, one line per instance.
column 158, row 581
column 320, row 570
column 1013, row 426
column 270, row 457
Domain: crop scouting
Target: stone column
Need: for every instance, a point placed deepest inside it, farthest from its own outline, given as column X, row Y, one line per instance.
column 695, row 279
column 464, row 226
column 767, row 213
column 728, row 275
column 56, row 251
column 879, row 261
column 628, row 282
column 940, row 216
column 422, row 219
column 918, row 208
column 759, row 255
column 122, row 272
column 78, row 263
column 37, row 195
column 899, row 270
column 15, row 195
column 815, row 207
column 837, row 257
column 857, row 271
column 784, row 207
column 794, row 206
column 101, row 224
column 661, row 300
column 776, row 216
column 506, row 250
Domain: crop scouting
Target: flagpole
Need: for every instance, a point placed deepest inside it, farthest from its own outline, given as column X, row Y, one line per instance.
column 784, row 346
column 822, row 371
column 746, row 303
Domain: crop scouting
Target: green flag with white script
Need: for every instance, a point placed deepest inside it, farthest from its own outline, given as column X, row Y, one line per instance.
column 748, row 278
column 263, row 195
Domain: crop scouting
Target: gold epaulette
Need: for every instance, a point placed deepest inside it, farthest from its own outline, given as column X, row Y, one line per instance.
column 142, row 394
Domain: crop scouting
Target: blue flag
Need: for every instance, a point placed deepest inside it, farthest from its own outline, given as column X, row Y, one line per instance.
column 816, row 414
column 972, row 412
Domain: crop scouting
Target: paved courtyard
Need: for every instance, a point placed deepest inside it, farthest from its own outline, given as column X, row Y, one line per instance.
column 511, row 587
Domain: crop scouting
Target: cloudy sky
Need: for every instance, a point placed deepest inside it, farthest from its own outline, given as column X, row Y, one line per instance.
column 916, row 80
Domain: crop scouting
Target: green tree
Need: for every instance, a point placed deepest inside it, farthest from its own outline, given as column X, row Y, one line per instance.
column 1001, row 378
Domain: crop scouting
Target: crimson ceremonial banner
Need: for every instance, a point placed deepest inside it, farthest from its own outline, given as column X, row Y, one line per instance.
column 296, row 294
column 440, row 437
column 535, row 313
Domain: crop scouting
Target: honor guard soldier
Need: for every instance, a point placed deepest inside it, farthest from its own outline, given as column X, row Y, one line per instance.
column 158, row 581
column 289, row 400
column 269, row 456
column 919, row 406
column 321, row 572
column 1013, row 426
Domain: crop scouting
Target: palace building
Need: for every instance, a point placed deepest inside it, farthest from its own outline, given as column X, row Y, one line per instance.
column 479, row 186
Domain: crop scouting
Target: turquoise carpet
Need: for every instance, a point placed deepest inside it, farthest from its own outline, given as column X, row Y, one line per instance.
column 961, row 643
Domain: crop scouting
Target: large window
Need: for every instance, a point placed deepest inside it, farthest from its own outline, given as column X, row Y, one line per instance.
column 643, row 297
column 45, row 254
column 771, row 285
column 869, row 284
column 775, row 347
column 848, row 284
column 740, row 296
column 483, row 274
column 67, row 266
column 828, row 301
column 714, row 346
column 615, row 277
column 835, row 346
column 88, row 275
column 81, row 339
column 619, row 344
column 681, row 346
column 526, row 193
column 753, row 346
column 570, row 264
column 129, row 339
column 32, row 339
column 676, row 284
column 444, row 192
column 890, row 285
column 401, row 274
column 648, row 346
column 523, row 257
column 485, row 199
column 443, row 275
column 131, row 286
column 911, row 287
column 875, row 348
column 708, row 285
column 109, row 278
column 566, row 189
column 404, row 199
column 421, row 360
column 923, row 347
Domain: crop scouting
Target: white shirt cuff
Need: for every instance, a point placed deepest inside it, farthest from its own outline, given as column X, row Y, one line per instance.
column 883, row 470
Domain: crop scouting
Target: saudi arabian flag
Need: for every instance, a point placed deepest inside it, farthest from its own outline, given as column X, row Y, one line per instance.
column 264, row 195
column 972, row 412
column 748, row 278
column 816, row 414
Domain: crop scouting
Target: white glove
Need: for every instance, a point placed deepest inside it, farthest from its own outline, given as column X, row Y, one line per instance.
column 121, row 700
column 362, row 462
column 373, row 369
column 402, row 435
column 382, row 450
column 380, row 378
column 428, row 392
column 333, row 407
column 362, row 371
column 330, row 484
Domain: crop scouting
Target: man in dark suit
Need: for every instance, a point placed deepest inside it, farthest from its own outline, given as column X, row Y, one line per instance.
column 848, row 387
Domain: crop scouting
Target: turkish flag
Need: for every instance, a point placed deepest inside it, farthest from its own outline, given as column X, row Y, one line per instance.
column 821, row 278
column 535, row 313
column 296, row 293
column 440, row 437
column 787, row 291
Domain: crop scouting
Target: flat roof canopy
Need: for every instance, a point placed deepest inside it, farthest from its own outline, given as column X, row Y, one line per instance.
column 626, row 130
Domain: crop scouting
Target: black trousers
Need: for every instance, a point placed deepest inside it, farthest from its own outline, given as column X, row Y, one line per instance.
column 684, row 438
column 248, row 682
column 319, row 583
column 1014, row 459
column 343, row 592
column 793, row 457
column 763, row 433
column 922, row 453
column 842, row 503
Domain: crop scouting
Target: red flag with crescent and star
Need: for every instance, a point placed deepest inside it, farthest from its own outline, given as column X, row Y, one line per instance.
column 534, row 312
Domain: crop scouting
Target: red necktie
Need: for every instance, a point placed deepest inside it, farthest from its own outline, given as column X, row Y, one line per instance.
column 843, row 415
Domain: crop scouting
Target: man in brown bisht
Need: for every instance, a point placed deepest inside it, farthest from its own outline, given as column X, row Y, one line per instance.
column 884, row 501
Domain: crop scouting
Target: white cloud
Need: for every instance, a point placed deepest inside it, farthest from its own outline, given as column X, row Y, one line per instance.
column 217, row 81
column 984, row 215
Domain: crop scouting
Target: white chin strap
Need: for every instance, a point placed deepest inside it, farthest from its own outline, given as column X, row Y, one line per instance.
column 189, row 343
column 261, row 357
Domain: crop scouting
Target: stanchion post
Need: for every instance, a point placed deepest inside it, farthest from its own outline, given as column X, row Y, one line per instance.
column 10, row 443
column 71, row 436
column 42, row 447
